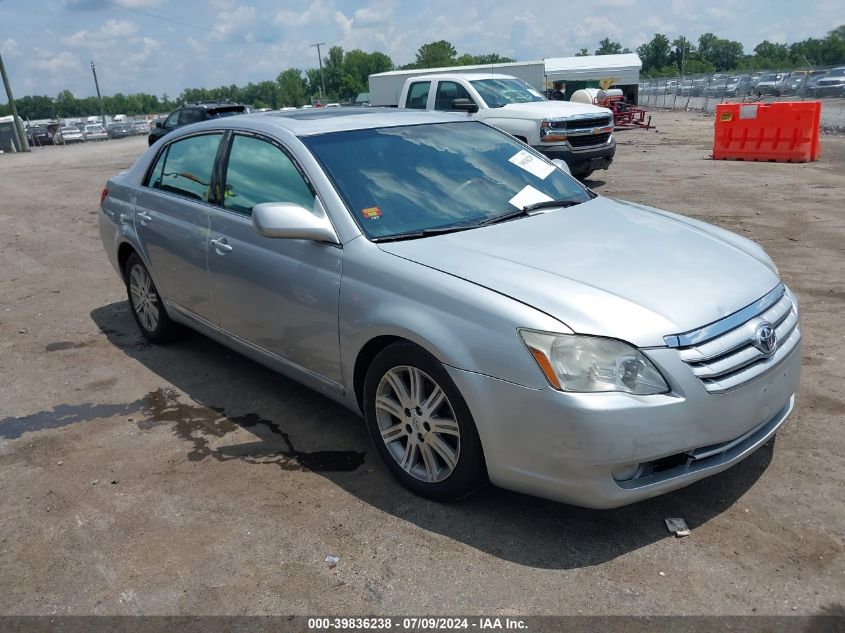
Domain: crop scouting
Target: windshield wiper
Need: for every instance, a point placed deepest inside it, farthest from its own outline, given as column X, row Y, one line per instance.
column 526, row 210
column 413, row 235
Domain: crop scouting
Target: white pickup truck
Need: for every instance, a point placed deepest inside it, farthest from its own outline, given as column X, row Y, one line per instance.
column 577, row 133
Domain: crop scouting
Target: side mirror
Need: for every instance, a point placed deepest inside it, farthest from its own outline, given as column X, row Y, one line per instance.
column 561, row 165
column 286, row 220
column 466, row 105
column 158, row 124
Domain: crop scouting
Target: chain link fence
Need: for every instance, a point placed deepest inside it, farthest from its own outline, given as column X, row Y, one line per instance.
column 701, row 93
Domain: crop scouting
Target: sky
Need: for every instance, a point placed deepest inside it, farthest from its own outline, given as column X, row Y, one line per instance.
column 164, row 46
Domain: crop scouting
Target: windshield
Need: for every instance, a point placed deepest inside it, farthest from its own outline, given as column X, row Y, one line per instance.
column 401, row 180
column 500, row 92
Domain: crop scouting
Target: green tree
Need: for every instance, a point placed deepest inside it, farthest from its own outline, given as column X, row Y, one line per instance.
column 722, row 54
column 655, row 54
column 606, row 47
column 291, row 88
column 583, row 52
column 436, row 55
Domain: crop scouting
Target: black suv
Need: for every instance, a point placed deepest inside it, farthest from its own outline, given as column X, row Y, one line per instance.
column 194, row 113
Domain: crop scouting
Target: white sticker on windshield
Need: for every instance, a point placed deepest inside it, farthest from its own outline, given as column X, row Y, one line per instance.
column 531, row 164
column 528, row 195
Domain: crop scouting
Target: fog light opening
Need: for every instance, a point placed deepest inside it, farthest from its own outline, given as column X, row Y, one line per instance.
column 628, row 472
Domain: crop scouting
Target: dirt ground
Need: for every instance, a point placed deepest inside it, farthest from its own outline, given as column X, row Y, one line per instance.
column 188, row 480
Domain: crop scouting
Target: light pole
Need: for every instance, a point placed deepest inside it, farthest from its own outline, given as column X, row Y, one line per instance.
column 320, row 60
column 15, row 119
column 99, row 98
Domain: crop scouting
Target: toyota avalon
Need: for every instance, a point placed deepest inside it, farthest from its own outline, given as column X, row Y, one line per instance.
column 489, row 317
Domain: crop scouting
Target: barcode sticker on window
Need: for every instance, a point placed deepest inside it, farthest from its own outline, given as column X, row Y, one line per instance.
column 531, row 164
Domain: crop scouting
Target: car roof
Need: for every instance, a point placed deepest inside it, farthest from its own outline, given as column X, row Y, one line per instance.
column 467, row 76
column 321, row 120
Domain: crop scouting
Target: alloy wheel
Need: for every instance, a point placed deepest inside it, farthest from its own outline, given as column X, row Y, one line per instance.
column 418, row 424
column 144, row 297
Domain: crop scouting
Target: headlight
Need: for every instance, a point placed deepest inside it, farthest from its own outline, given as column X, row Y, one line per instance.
column 553, row 130
column 578, row 363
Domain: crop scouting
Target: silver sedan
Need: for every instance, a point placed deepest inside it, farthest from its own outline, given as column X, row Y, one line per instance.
column 490, row 317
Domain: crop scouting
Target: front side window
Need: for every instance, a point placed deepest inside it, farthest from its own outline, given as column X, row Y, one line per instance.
column 185, row 167
column 259, row 171
column 400, row 180
column 171, row 121
column 447, row 92
column 418, row 95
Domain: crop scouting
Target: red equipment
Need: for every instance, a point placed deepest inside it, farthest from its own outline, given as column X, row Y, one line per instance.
column 626, row 115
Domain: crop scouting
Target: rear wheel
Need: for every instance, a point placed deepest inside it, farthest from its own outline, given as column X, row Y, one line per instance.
column 145, row 303
column 421, row 425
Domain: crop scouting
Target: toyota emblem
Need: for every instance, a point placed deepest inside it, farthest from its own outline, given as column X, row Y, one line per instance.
column 765, row 338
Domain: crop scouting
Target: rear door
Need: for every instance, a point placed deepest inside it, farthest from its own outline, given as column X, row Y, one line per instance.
column 278, row 294
column 172, row 212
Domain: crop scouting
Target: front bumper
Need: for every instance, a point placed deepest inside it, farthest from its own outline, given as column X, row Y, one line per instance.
column 567, row 446
column 581, row 161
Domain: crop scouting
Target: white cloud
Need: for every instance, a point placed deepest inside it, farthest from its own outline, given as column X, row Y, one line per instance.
column 596, row 26
column 149, row 46
column 56, row 63
column 139, row 4
column 233, row 21
column 375, row 14
column 318, row 12
column 10, row 48
column 617, row 3
column 104, row 36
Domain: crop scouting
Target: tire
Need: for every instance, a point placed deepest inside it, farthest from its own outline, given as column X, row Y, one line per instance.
column 145, row 303
column 443, row 465
column 583, row 176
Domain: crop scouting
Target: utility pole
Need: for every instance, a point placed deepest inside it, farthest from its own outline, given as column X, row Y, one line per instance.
column 15, row 119
column 322, row 79
column 99, row 98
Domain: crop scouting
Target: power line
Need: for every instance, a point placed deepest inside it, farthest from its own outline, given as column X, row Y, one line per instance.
column 158, row 17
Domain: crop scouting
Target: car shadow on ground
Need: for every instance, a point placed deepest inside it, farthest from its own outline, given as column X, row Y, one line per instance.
column 281, row 413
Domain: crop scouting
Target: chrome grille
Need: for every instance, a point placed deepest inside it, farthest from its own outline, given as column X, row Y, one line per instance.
column 727, row 357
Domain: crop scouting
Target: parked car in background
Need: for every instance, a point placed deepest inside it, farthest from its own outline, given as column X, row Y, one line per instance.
column 72, row 134
column 140, row 128
column 95, row 132
column 772, row 84
column 488, row 315
column 38, row 135
column 830, row 85
column 194, row 113
column 120, row 130
column 738, row 87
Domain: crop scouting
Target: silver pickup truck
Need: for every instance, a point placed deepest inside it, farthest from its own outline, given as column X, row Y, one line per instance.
column 577, row 133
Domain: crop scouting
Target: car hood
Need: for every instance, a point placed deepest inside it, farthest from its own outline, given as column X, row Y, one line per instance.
column 551, row 109
column 608, row 268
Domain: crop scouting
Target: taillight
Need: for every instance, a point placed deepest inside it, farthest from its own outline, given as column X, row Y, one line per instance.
column 104, row 195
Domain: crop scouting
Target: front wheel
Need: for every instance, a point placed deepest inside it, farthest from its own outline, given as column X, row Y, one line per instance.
column 421, row 425
column 145, row 303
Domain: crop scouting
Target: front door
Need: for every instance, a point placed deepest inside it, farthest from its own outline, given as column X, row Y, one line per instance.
column 278, row 294
column 172, row 214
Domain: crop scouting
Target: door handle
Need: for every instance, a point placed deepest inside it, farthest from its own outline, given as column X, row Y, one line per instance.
column 143, row 217
column 221, row 246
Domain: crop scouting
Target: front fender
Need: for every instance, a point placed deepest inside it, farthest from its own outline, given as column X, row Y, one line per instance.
column 462, row 324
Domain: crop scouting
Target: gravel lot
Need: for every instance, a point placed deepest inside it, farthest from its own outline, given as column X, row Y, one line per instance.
column 188, row 480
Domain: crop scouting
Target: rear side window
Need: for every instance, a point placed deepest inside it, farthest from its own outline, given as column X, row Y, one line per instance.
column 259, row 171
column 447, row 92
column 185, row 167
column 191, row 115
column 418, row 95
